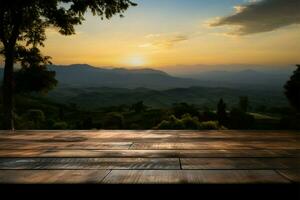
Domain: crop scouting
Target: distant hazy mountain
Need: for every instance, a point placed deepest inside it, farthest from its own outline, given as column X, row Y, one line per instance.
column 250, row 78
column 92, row 87
column 84, row 76
column 88, row 76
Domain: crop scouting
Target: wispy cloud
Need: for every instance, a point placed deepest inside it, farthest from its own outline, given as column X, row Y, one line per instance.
column 166, row 41
column 259, row 16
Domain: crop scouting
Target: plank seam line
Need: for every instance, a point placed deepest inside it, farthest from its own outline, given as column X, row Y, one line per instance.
column 105, row 176
column 130, row 145
column 283, row 176
column 82, row 157
column 145, row 169
column 180, row 163
column 175, row 149
column 146, row 157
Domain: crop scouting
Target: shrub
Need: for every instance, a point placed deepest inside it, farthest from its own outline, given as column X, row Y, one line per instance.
column 35, row 115
column 60, row 126
column 164, row 125
column 179, row 109
column 22, row 123
column 113, row 120
column 290, row 122
column 190, row 123
column 240, row 120
column 135, row 126
column 32, row 119
column 171, row 124
column 210, row 125
column 176, row 124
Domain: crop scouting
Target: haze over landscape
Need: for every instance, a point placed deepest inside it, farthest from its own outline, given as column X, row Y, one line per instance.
column 163, row 53
column 181, row 38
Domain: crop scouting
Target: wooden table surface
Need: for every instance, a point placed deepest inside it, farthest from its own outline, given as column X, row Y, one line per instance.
column 110, row 157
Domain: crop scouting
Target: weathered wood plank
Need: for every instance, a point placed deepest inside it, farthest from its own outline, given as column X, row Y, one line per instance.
column 293, row 175
column 51, row 176
column 238, row 153
column 68, row 145
column 240, row 163
column 217, row 145
column 151, row 134
column 150, row 156
column 89, row 163
column 251, row 153
column 193, row 177
column 179, row 139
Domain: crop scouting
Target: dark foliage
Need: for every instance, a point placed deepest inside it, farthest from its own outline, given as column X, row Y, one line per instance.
column 244, row 104
column 34, row 79
column 222, row 113
column 180, row 109
column 113, row 120
column 37, row 112
column 238, row 119
column 139, row 107
column 23, row 30
column 292, row 89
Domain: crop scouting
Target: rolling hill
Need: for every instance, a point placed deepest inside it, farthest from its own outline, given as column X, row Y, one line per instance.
column 271, row 79
column 90, row 87
column 83, row 76
column 91, row 98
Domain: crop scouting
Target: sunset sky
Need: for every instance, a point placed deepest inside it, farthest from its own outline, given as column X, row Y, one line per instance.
column 162, row 33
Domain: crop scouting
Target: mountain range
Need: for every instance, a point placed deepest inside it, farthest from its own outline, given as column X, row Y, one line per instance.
column 83, row 76
column 268, row 78
column 91, row 87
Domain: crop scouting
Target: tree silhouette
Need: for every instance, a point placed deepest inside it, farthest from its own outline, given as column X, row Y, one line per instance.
column 139, row 107
column 244, row 104
column 292, row 89
column 23, row 25
column 221, row 112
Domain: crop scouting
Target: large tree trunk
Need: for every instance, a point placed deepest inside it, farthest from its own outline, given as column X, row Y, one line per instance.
column 8, row 88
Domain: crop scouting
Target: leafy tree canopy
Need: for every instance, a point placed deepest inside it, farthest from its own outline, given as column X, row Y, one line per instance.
column 34, row 75
column 221, row 112
column 23, row 25
column 244, row 103
column 292, row 89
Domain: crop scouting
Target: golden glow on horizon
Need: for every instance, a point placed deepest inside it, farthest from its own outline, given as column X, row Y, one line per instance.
column 279, row 47
column 136, row 61
column 148, row 41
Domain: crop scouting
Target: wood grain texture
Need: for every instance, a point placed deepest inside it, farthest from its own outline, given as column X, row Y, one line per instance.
column 149, row 156
column 212, row 144
column 89, row 163
column 240, row 163
column 95, row 153
column 193, row 177
column 27, row 145
column 52, row 176
column 293, row 175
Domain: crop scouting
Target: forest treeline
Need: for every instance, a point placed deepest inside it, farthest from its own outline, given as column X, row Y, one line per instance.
column 23, row 32
column 37, row 113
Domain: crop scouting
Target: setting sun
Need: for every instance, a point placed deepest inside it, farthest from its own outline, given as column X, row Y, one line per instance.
column 136, row 61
